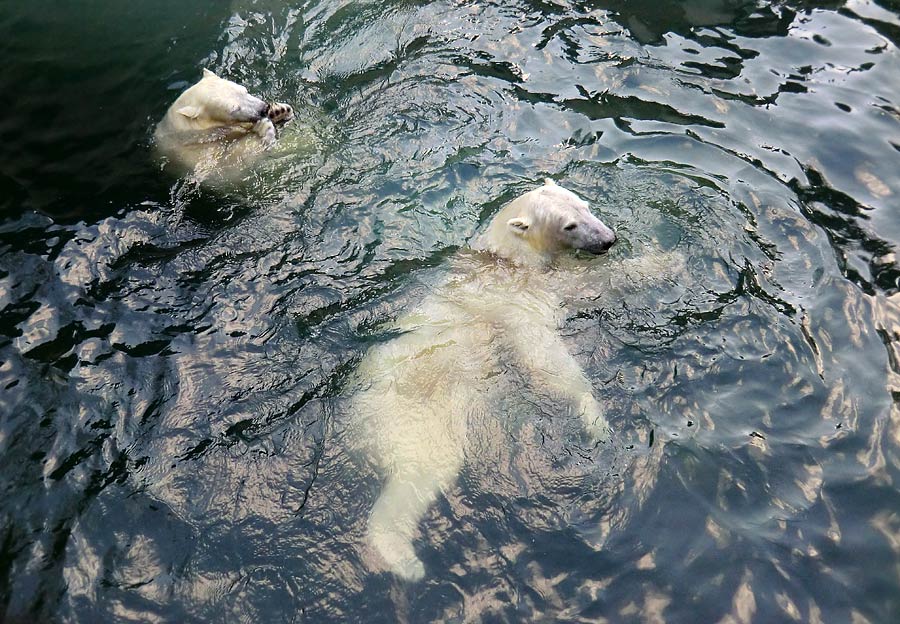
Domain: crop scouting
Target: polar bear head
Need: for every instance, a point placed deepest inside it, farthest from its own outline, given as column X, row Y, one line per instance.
column 215, row 102
column 541, row 223
column 215, row 129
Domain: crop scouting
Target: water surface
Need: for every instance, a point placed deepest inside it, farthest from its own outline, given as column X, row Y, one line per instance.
column 173, row 359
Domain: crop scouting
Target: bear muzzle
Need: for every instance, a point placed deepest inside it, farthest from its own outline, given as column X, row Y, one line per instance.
column 251, row 110
column 601, row 247
column 601, row 239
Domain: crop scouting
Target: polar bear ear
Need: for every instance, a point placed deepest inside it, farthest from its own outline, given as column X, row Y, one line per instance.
column 191, row 112
column 519, row 225
column 549, row 182
column 208, row 74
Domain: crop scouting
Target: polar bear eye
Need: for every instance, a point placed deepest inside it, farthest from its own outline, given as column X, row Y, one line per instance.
column 570, row 227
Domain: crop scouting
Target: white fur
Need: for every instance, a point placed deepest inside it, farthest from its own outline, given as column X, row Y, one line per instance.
column 421, row 392
column 216, row 126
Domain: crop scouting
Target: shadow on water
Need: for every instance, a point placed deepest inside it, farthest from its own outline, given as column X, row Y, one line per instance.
column 174, row 360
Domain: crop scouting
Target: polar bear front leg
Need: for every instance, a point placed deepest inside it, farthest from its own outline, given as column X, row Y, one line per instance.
column 592, row 418
column 265, row 130
column 550, row 365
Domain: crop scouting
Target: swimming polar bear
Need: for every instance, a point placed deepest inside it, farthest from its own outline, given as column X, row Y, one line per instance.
column 420, row 392
column 216, row 126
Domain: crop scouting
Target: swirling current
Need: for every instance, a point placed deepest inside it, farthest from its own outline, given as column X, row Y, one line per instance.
column 173, row 357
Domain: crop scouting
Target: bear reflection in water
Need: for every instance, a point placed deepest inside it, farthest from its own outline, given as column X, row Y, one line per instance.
column 418, row 394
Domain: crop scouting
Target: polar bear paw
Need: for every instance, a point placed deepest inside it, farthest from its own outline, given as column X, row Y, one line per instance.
column 280, row 113
column 399, row 555
column 595, row 424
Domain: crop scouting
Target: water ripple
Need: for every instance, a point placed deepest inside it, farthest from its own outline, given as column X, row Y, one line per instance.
column 175, row 360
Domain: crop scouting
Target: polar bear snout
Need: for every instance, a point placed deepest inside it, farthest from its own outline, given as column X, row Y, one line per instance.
column 602, row 241
column 251, row 110
column 590, row 235
column 600, row 248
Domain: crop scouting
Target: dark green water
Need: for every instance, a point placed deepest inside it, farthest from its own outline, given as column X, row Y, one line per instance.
column 171, row 358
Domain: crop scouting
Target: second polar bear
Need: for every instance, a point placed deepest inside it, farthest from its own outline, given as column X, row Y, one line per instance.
column 216, row 126
column 419, row 393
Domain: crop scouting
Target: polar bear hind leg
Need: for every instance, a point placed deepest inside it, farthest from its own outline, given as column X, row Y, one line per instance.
column 394, row 520
column 392, row 526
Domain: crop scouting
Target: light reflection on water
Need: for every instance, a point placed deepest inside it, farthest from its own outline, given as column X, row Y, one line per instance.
column 174, row 359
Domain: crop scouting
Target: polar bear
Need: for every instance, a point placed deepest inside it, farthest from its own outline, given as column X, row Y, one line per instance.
column 418, row 394
column 216, row 126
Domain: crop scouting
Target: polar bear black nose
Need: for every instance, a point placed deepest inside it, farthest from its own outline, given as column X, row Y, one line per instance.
column 602, row 243
column 606, row 244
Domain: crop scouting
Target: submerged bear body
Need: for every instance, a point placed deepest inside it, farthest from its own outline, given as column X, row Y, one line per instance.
column 419, row 394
